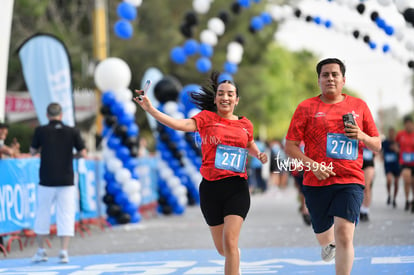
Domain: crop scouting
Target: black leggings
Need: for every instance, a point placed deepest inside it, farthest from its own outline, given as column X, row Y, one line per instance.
column 228, row 196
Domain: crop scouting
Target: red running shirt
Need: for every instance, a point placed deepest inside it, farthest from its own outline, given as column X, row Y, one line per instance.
column 321, row 128
column 214, row 130
column 406, row 142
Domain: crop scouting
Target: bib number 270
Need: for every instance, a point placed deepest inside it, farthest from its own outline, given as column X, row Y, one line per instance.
column 338, row 146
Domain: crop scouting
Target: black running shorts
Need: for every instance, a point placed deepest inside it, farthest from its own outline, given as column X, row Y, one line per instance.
column 228, row 196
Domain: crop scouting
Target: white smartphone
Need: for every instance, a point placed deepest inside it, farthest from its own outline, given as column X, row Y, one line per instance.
column 145, row 89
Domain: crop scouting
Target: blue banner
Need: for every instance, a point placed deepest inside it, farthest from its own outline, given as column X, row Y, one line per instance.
column 20, row 178
column 47, row 72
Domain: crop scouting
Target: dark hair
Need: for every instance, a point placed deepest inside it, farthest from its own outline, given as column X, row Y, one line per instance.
column 204, row 100
column 4, row 126
column 330, row 61
column 407, row 118
column 54, row 109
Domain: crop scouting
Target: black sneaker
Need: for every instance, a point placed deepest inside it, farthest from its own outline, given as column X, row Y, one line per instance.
column 363, row 217
column 412, row 207
column 306, row 219
column 394, row 204
column 407, row 206
column 388, row 200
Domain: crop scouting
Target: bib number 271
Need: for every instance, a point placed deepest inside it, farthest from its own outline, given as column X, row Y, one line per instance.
column 231, row 158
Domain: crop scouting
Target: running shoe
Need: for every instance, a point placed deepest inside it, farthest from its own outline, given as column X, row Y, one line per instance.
column 328, row 252
column 63, row 257
column 40, row 256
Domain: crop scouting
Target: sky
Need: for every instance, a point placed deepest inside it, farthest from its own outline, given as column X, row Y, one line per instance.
column 381, row 79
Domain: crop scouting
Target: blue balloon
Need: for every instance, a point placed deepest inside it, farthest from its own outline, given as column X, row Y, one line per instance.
column 328, row 24
column 135, row 218
column 244, row 3
column 178, row 55
column 108, row 98
column 117, row 109
column 121, row 198
column 389, row 30
column 126, row 11
column 114, row 142
column 206, row 50
column 132, row 130
column 203, row 64
column 386, row 48
column 380, row 22
column 126, row 119
column 372, row 45
column 122, row 152
column 257, row 23
column 191, row 47
column 185, row 98
column 113, row 188
column 317, row 20
column 123, row 29
column 108, row 176
column 225, row 76
column 266, row 17
column 129, row 208
column 230, row 67
column 178, row 209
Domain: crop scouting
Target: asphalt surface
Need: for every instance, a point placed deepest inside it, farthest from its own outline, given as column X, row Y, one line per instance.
column 273, row 225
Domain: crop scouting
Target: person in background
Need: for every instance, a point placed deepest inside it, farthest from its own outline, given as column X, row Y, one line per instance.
column 392, row 167
column 226, row 140
column 6, row 151
column 333, row 181
column 369, row 173
column 256, row 166
column 278, row 165
column 55, row 143
column 405, row 140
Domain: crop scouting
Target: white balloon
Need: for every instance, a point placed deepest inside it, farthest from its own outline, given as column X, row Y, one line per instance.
column 193, row 112
column 401, row 5
column 123, row 95
column 277, row 13
column 122, row 175
column 182, row 200
column 201, row 6
column 170, row 107
column 208, row 37
column 108, row 154
column 234, row 57
column 399, row 34
column 130, row 107
column 235, row 47
column 112, row 74
column 132, row 186
column 178, row 115
column 114, row 164
column 385, row 2
column 409, row 45
column 135, row 3
column 216, row 25
column 173, row 182
column 135, row 199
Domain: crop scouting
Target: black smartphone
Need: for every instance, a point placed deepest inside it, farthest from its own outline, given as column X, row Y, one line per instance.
column 348, row 118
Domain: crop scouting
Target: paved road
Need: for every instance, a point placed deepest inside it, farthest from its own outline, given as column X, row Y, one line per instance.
column 274, row 239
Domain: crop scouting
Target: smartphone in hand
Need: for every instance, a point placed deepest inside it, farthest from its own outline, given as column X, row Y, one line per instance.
column 348, row 118
column 147, row 85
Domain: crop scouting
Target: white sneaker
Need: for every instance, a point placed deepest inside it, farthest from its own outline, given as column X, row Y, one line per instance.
column 40, row 256
column 63, row 257
column 328, row 252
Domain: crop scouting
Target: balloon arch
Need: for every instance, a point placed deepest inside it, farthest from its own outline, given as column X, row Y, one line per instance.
column 179, row 153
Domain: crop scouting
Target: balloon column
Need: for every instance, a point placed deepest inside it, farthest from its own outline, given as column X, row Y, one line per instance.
column 209, row 37
column 178, row 177
column 127, row 12
column 120, row 142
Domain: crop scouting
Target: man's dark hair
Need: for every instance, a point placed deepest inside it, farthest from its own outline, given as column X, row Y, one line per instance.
column 54, row 109
column 407, row 118
column 330, row 61
column 4, row 125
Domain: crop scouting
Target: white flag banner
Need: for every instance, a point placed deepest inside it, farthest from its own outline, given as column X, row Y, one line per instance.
column 6, row 12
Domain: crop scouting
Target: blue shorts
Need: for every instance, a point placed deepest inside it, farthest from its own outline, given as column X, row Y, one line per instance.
column 393, row 168
column 338, row 200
